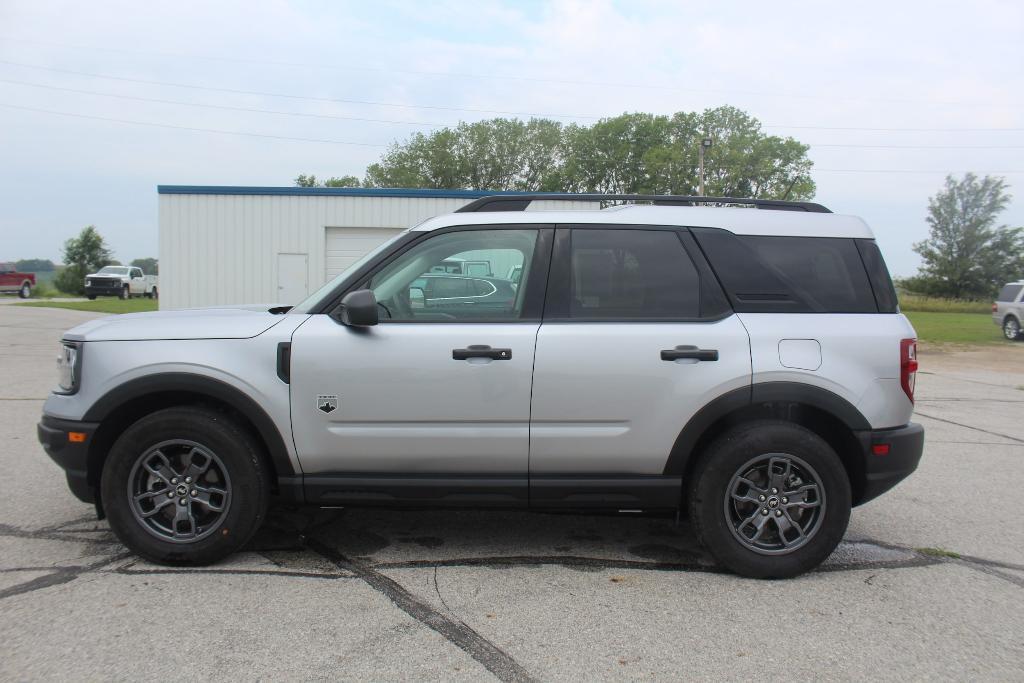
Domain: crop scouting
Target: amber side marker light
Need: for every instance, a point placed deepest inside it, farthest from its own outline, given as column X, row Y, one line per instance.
column 76, row 437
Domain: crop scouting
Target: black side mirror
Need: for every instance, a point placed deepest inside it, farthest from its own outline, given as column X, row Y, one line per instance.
column 359, row 309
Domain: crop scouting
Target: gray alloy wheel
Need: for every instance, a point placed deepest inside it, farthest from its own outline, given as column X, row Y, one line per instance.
column 775, row 503
column 125, row 294
column 1011, row 328
column 179, row 491
column 25, row 291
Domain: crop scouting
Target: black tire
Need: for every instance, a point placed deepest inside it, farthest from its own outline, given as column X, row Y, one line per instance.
column 712, row 503
column 25, row 291
column 1011, row 329
column 91, row 297
column 154, row 294
column 125, row 293
column 246, row 482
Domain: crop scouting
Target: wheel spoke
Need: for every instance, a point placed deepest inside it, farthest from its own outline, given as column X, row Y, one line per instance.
column 206, row 495
column 798, row 497
column 778, row 479
column 159, row 500
column 183, row 516
column 753, row 491
column 162, row 470
column 760, row 525
column 197, row 470
column 785, row 524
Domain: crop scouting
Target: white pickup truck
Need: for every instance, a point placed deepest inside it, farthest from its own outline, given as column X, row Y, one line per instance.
column 120, row 281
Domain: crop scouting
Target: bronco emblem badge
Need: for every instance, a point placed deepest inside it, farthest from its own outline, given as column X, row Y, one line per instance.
column 327, row 404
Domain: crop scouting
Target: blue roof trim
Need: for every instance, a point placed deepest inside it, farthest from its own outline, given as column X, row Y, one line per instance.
column 334, row 191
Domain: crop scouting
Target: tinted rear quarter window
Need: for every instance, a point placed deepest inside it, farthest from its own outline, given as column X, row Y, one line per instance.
column 1009, row 293
column 789, row 274
column 881, row 283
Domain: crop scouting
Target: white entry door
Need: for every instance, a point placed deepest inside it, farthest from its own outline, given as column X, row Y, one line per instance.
column 292, row 278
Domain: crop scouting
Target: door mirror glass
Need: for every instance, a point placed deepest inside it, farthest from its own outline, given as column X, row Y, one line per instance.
column 358, row 309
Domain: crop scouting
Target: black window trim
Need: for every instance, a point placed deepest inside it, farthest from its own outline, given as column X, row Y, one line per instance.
column 536, row 285
column 559, row 286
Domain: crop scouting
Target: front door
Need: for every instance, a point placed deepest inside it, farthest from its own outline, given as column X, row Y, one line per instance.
column 633, row 345
column 433, row 403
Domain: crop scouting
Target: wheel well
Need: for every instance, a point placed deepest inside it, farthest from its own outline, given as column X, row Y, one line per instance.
column 129, row 412
column 826, row 425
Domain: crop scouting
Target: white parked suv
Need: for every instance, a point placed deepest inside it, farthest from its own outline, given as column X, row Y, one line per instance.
column 749, row 365
column 1008, row 310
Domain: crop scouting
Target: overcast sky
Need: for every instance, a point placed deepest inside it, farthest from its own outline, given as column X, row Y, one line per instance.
column 944, row 79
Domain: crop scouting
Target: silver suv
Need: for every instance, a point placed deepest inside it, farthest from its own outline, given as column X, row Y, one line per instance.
column 1008, row 310
column 749, row 365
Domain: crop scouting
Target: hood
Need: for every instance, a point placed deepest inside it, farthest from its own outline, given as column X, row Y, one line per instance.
column 201, row 323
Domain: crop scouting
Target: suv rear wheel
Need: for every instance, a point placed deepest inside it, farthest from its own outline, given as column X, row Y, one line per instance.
column 185, row 486
column 769, row 499
column 1011, row 328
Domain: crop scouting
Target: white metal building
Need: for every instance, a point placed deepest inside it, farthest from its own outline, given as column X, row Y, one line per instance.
column 238, row 245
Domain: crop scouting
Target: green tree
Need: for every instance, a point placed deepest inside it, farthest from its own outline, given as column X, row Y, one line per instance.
column 966, row 255
column 82, row 255
column 631, row 153
column 35, row 265
column 149, row 265
column 303, row 180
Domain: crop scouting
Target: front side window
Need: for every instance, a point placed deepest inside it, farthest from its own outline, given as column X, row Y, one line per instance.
column 632, row 274
column 430, row 282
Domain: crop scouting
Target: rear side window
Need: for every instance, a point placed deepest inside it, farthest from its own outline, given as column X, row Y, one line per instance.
column 789, row 274
column 632, row 275
column 1009, row 293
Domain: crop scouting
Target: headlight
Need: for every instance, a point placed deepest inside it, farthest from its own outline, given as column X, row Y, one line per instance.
column 67, row 368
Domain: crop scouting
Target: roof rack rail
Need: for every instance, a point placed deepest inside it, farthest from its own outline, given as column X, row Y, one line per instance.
column 519, row 202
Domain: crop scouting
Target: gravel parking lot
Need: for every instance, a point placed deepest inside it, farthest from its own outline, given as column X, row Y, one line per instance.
column 928, row 583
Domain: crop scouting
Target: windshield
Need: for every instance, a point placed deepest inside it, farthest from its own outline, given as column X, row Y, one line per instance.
column 314, row 298
column 114, row 270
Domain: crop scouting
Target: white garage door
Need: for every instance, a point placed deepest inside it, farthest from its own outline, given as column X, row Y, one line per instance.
column 345, row 246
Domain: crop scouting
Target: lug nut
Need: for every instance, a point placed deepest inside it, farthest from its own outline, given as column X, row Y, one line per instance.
column 170, row 494
column 778, row 513
column 174, row 480
column 761, row 498
column 785, row 500
column 764, row 511
column 188, row 480
column 193, row 492
column 181, row 501
column 775, row 490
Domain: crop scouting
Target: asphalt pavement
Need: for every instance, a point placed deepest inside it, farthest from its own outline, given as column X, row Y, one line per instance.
column 929, row 582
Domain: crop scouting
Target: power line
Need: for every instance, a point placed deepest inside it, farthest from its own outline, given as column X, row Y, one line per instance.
column 191, row 128
column 219, row 106
column 291, row 96
column 898, row 130
column 464, row 75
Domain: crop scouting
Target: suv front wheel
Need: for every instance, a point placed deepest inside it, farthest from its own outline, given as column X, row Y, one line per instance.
column 185, row 486
column 769, row 500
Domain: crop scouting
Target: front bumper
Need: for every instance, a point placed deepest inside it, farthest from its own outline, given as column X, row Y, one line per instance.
column 882, row 472
column 73, row 456
column 113, row 289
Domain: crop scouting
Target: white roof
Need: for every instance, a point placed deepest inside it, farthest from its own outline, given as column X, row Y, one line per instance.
column 742, row 221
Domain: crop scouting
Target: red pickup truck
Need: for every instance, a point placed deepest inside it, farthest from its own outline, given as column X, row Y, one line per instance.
column 12, row 281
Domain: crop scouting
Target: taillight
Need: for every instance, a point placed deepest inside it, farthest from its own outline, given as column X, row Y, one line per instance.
column 908, row 366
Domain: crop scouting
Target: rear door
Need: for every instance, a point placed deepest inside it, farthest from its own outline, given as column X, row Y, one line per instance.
column 636, row 338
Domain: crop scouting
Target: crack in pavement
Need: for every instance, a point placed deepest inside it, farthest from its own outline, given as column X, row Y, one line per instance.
column 967, row 426
column 493, row 658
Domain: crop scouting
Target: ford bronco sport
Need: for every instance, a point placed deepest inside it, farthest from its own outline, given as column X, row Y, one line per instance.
column 748, row 365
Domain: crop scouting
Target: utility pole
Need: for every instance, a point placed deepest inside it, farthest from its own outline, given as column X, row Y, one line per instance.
column 704, row 145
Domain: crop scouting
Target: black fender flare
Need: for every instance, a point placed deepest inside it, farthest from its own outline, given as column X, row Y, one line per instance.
column 762, row 392
column 205, row 386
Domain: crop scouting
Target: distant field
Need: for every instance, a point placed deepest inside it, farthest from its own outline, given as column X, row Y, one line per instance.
column 956, row 328
column 912, row 302
column 107, row 305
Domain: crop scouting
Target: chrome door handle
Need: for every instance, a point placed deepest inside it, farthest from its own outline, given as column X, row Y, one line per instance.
column 481, row 351
column 693, row 352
